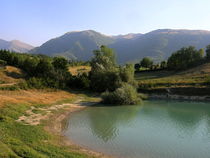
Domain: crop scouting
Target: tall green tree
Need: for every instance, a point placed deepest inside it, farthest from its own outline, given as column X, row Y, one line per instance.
column 104, row 60
column 104, row 74
column 185, row 58
column 137, row 66
column 146, row 62
column 60, row 63
column 208, row 52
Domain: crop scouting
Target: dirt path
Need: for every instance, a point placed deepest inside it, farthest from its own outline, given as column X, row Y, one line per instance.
column 34, row 116
column 56, row 116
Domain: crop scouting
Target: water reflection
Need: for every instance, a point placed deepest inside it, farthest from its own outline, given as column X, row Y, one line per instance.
column 104, row 121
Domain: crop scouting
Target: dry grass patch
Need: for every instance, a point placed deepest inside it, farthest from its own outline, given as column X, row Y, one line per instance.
column 79, row 69
column 11, row 75
column 34, row 97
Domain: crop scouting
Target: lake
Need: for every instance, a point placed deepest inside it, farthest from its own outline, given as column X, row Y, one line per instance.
column 154, row 129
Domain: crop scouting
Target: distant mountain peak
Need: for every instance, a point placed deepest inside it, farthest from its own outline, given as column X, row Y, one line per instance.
column 127, row 36
column 15, row 45
column 86, row 32
column 178, row 31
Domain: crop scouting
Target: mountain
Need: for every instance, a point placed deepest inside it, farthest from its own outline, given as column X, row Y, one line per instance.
column 127, row 36
column 15, row 45
column 75, row 45
column 158, row 44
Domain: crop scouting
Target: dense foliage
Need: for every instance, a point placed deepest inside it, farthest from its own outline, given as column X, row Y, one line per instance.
column 146, row 62
column 125, row 94
column 42, row 71
column 208, row 52
column 117, row 81
column 185, row 58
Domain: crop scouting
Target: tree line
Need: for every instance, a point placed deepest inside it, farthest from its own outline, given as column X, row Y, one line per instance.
column 186, row 57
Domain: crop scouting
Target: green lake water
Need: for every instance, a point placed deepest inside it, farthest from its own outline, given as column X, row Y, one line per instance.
column 154, row 129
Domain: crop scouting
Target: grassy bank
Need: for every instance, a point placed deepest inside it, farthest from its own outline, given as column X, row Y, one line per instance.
column 194, row 81
column 18, row 139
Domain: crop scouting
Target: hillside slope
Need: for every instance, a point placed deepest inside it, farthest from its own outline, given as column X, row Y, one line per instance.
column 15, row 45
column 158, row 44
column 193, row 81
column 74, row 45
column 10, row 75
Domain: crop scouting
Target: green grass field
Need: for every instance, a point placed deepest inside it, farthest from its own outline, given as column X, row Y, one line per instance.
column 19, row 140
column 196, row 77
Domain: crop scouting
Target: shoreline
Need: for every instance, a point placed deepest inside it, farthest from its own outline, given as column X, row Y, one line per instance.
column 205, row 98
column 57, row 126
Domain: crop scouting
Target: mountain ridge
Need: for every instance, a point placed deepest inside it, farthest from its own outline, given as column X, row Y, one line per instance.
column 15, row 45
column 158, row 44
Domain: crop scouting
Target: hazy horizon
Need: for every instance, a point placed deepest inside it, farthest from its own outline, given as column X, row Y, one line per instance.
column 37, row 21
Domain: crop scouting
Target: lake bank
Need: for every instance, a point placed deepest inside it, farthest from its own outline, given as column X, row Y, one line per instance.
column 178, row 93
column 58, row 124
column 24, row 121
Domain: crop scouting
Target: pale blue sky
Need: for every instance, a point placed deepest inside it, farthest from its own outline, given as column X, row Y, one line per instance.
column 36, row 21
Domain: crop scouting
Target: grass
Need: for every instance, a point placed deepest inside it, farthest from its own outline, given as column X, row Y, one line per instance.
column 10, row 76
column 79, row 69
column 20, row 140
column 196, row 77
column 46, row 96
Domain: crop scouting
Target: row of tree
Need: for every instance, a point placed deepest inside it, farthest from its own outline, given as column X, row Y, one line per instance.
column 53, row 72
column 184, row 58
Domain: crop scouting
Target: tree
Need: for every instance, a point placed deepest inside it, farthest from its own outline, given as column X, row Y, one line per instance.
column 44, row 68
column 163, row 65
column 185, row 58
column 30, row 65
column 137, row 66
column 208, row 52
column 60, row 63
column 104, row 74
column 117, row 81
column 146, row 62
column 104, row 60
column 201, row 53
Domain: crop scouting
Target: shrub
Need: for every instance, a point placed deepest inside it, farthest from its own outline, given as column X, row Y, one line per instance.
column 3, row 63
column 80, row 81
column 10, row 88
column 102, row 81
column 35, row 83
column 208, row 81
column 23, row 85
column 125, row 95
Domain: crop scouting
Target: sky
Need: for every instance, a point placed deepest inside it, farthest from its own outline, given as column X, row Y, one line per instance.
column 37, row 21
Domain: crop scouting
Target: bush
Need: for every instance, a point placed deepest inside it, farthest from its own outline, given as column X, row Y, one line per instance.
column 102, row 81
column 3, row 63
column 80, row 81
column 10, row 88
column 35, row 83
column 208, row 81
column 125, row 95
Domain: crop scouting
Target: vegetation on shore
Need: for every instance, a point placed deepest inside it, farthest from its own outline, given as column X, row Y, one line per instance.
column 46, row 72
column 117, row 82
column 18, row 139
column 186, row 69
